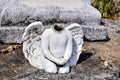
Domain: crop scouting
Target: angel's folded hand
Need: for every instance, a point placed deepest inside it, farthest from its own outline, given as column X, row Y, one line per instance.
column 61, row 61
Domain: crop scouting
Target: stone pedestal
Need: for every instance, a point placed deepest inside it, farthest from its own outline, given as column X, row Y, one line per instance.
column 23, row 12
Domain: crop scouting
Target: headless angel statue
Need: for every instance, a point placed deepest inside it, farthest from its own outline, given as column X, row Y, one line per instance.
column 51, row 51
column 56, row 44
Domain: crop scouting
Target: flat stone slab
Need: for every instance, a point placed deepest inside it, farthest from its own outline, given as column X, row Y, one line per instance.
column 11, row 34
column 95, row 32
column 24, row 12
column 14, row 34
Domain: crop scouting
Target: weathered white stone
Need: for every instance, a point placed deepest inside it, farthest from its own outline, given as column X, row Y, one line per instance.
column 11, row 34
column 53, row 46
column 95, row 32
column 91, row 33
column 23, row 11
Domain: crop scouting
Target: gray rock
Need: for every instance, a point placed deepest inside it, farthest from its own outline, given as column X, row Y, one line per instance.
column 25, row 11
column 14, row 34
column 77, row 76
column 11, row 34
column 13, row 14
column 3, row 3
column 95, row 32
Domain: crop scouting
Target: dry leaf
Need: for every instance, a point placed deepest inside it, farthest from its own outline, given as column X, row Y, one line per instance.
column 14, row 71
column 12, row 52
column 5, row 79
column 16, row 46
column 84, row 49
column 106, row 63
column 102, row 58
column 4, row 51
column 10, row 48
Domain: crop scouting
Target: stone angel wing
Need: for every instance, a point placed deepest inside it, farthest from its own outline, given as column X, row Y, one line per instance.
column 77, row 33
column 30, row 38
